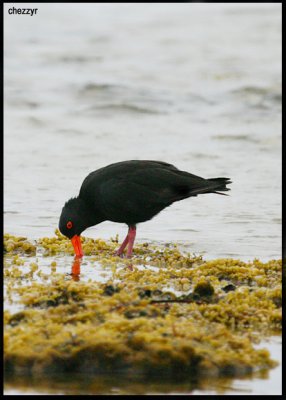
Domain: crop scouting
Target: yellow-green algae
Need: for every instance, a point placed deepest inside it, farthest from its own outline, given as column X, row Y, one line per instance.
column 18, row 244
column 182, row 316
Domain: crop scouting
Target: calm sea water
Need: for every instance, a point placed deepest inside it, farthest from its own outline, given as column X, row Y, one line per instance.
column 197, row 85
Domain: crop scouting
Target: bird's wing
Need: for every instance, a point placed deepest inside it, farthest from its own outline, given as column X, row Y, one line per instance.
column 124, row 200
column 169, row 184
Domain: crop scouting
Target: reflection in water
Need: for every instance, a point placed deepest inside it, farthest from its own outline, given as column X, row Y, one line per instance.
column 122, row 384
column 75, row 271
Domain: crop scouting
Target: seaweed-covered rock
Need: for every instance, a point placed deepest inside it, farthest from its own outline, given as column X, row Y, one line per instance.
column 183, row 314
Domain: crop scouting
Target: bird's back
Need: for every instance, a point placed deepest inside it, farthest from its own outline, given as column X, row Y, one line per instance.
column 120, row 170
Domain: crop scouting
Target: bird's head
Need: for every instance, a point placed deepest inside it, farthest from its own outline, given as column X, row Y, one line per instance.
column 73, row 222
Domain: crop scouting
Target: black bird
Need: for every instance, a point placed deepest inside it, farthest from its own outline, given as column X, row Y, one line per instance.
column 130, row 192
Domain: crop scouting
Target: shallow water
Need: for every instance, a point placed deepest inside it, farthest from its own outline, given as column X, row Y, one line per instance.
column 197, row 85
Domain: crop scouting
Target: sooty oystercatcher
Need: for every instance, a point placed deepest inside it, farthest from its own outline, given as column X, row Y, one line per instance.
column 130, row 192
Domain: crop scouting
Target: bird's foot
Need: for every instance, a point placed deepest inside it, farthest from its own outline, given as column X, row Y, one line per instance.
column 119, row 254
column 122, row 255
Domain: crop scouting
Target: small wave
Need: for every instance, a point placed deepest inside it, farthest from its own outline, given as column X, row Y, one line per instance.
column 277, row 220
column 74, row 59
column 94, row 88
column 35, row 121
column 238, row 222
column 184, row 230
column 258, row 97
column 31, row 104
column 251, row 90
column 240, row 137
column 19, row 103
column 119, row 98
column 128, row 108
column 203, row 155
column 105, row 96
column 71, row 132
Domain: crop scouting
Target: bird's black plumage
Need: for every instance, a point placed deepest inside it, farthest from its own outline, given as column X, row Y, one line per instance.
column 132, row 192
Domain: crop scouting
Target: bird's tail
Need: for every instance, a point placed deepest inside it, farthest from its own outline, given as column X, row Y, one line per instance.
column 220, row 185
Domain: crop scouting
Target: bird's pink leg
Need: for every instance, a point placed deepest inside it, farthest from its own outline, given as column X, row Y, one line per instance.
column 128, row 240
column 131, row 235
column 124, row 244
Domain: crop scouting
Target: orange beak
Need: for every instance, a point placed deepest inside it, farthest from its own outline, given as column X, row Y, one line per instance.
column 77, row 245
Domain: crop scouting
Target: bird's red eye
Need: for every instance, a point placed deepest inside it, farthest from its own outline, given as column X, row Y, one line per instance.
column 69, row 225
